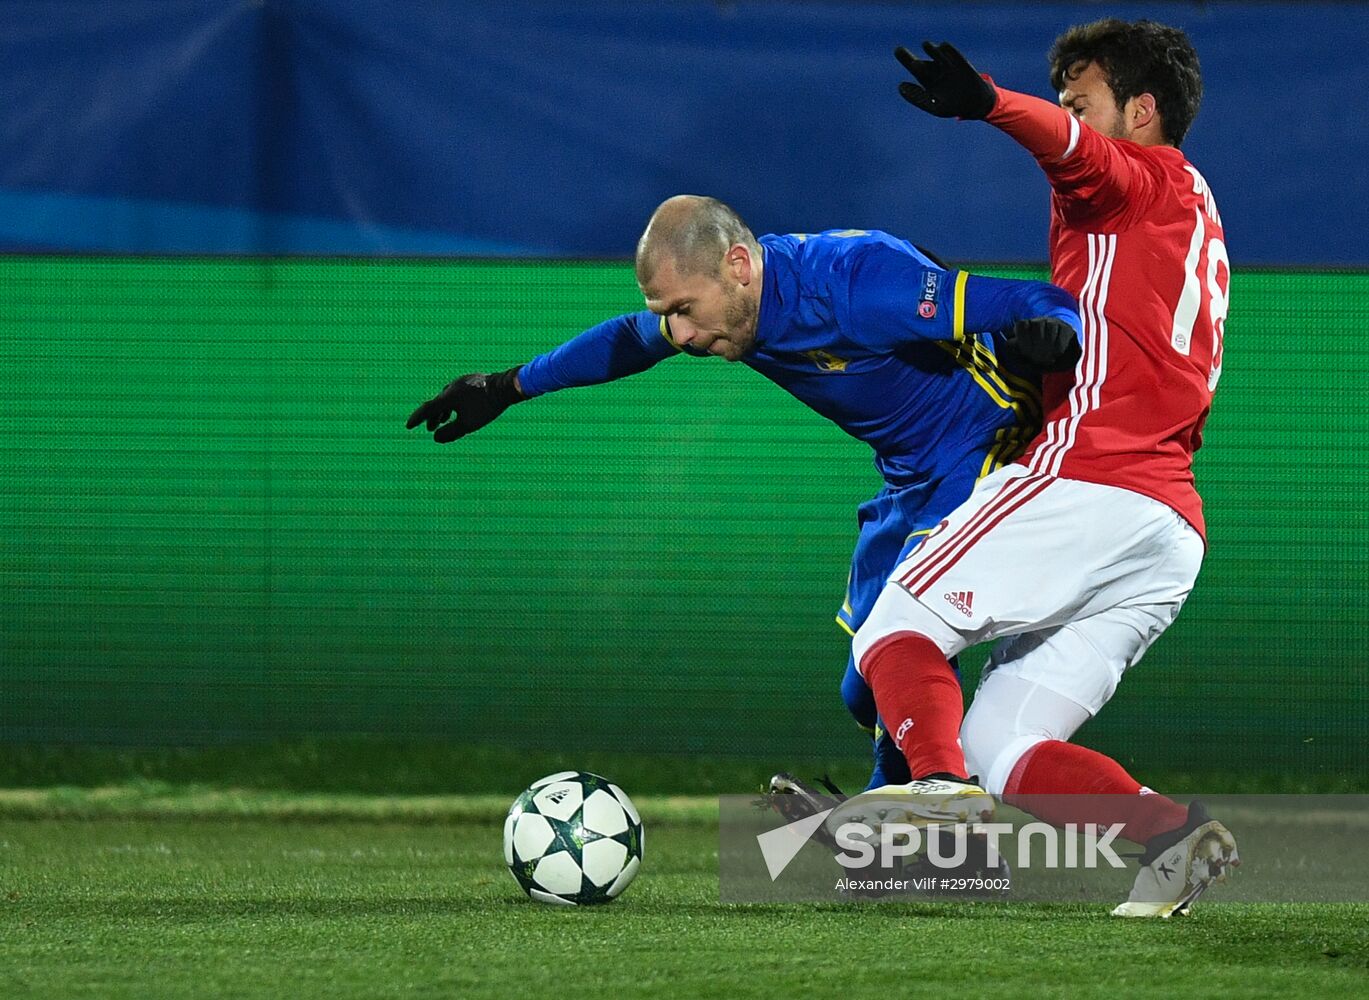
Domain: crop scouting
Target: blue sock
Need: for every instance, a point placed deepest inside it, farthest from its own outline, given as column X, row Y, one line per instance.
column 890, row 767
column 860, row 700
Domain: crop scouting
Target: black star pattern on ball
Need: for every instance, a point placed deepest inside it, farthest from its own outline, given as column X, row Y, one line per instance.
column 571, row 836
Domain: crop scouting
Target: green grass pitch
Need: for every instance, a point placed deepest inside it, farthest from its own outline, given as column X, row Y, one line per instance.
column 161, row 891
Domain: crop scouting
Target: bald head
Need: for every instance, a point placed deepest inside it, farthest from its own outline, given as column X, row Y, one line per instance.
column 693, row 233
column 701, row 270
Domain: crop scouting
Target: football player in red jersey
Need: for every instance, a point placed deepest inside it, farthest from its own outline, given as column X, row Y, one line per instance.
column 1077, row 557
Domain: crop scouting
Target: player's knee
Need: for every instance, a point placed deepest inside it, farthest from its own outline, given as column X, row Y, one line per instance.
column 977, row 740
column 994, row 761
column 993, row 747
column 1007, row 718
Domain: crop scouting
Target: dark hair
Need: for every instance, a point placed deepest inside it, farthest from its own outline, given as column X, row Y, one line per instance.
column 1137, row 58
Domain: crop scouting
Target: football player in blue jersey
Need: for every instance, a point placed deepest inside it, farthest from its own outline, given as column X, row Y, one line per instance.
column 936, row 369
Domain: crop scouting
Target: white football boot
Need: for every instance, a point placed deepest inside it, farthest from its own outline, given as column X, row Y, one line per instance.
column 918, row 803
column 1178, row 867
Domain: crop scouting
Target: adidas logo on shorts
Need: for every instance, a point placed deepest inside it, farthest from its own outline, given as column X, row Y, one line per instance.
column 962, row 601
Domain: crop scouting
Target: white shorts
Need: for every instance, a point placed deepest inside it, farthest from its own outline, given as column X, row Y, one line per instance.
column 1076, row 579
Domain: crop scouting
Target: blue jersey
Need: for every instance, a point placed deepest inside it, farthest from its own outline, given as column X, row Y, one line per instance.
column 876, row 337
column 895, row 350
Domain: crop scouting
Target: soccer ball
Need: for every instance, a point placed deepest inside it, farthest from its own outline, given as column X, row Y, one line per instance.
column 573, row 838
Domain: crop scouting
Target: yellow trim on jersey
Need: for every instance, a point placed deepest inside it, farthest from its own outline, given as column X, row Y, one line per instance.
column 665, row 332
column 981, row 366
column 959, row 311
column 844, row 627
column 919, row 531
column 1008, row 391
column 971, row 355
column 991, row 463
column 1003, row 379
column 1009, row 443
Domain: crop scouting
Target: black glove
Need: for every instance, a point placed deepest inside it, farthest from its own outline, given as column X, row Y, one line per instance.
column 951, row 87
column 476, row 399
column 1045, row 344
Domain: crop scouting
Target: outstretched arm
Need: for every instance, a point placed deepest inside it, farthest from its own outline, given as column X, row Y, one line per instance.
column 1084, row 167
column 612, row 350
column 622, row 346
column 1087, row 169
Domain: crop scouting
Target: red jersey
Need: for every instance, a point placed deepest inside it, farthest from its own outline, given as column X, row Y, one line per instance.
column 1136, row 237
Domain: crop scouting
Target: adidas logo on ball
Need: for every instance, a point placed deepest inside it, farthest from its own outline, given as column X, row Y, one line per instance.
column 574, row 839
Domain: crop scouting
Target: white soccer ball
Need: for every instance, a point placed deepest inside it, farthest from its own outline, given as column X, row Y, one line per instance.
column 573, row 838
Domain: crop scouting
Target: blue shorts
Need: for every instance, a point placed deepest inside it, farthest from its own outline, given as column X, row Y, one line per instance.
column 891, row 525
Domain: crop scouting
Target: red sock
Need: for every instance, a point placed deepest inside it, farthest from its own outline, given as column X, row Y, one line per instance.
column 919, row 699
column 1081, row 786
